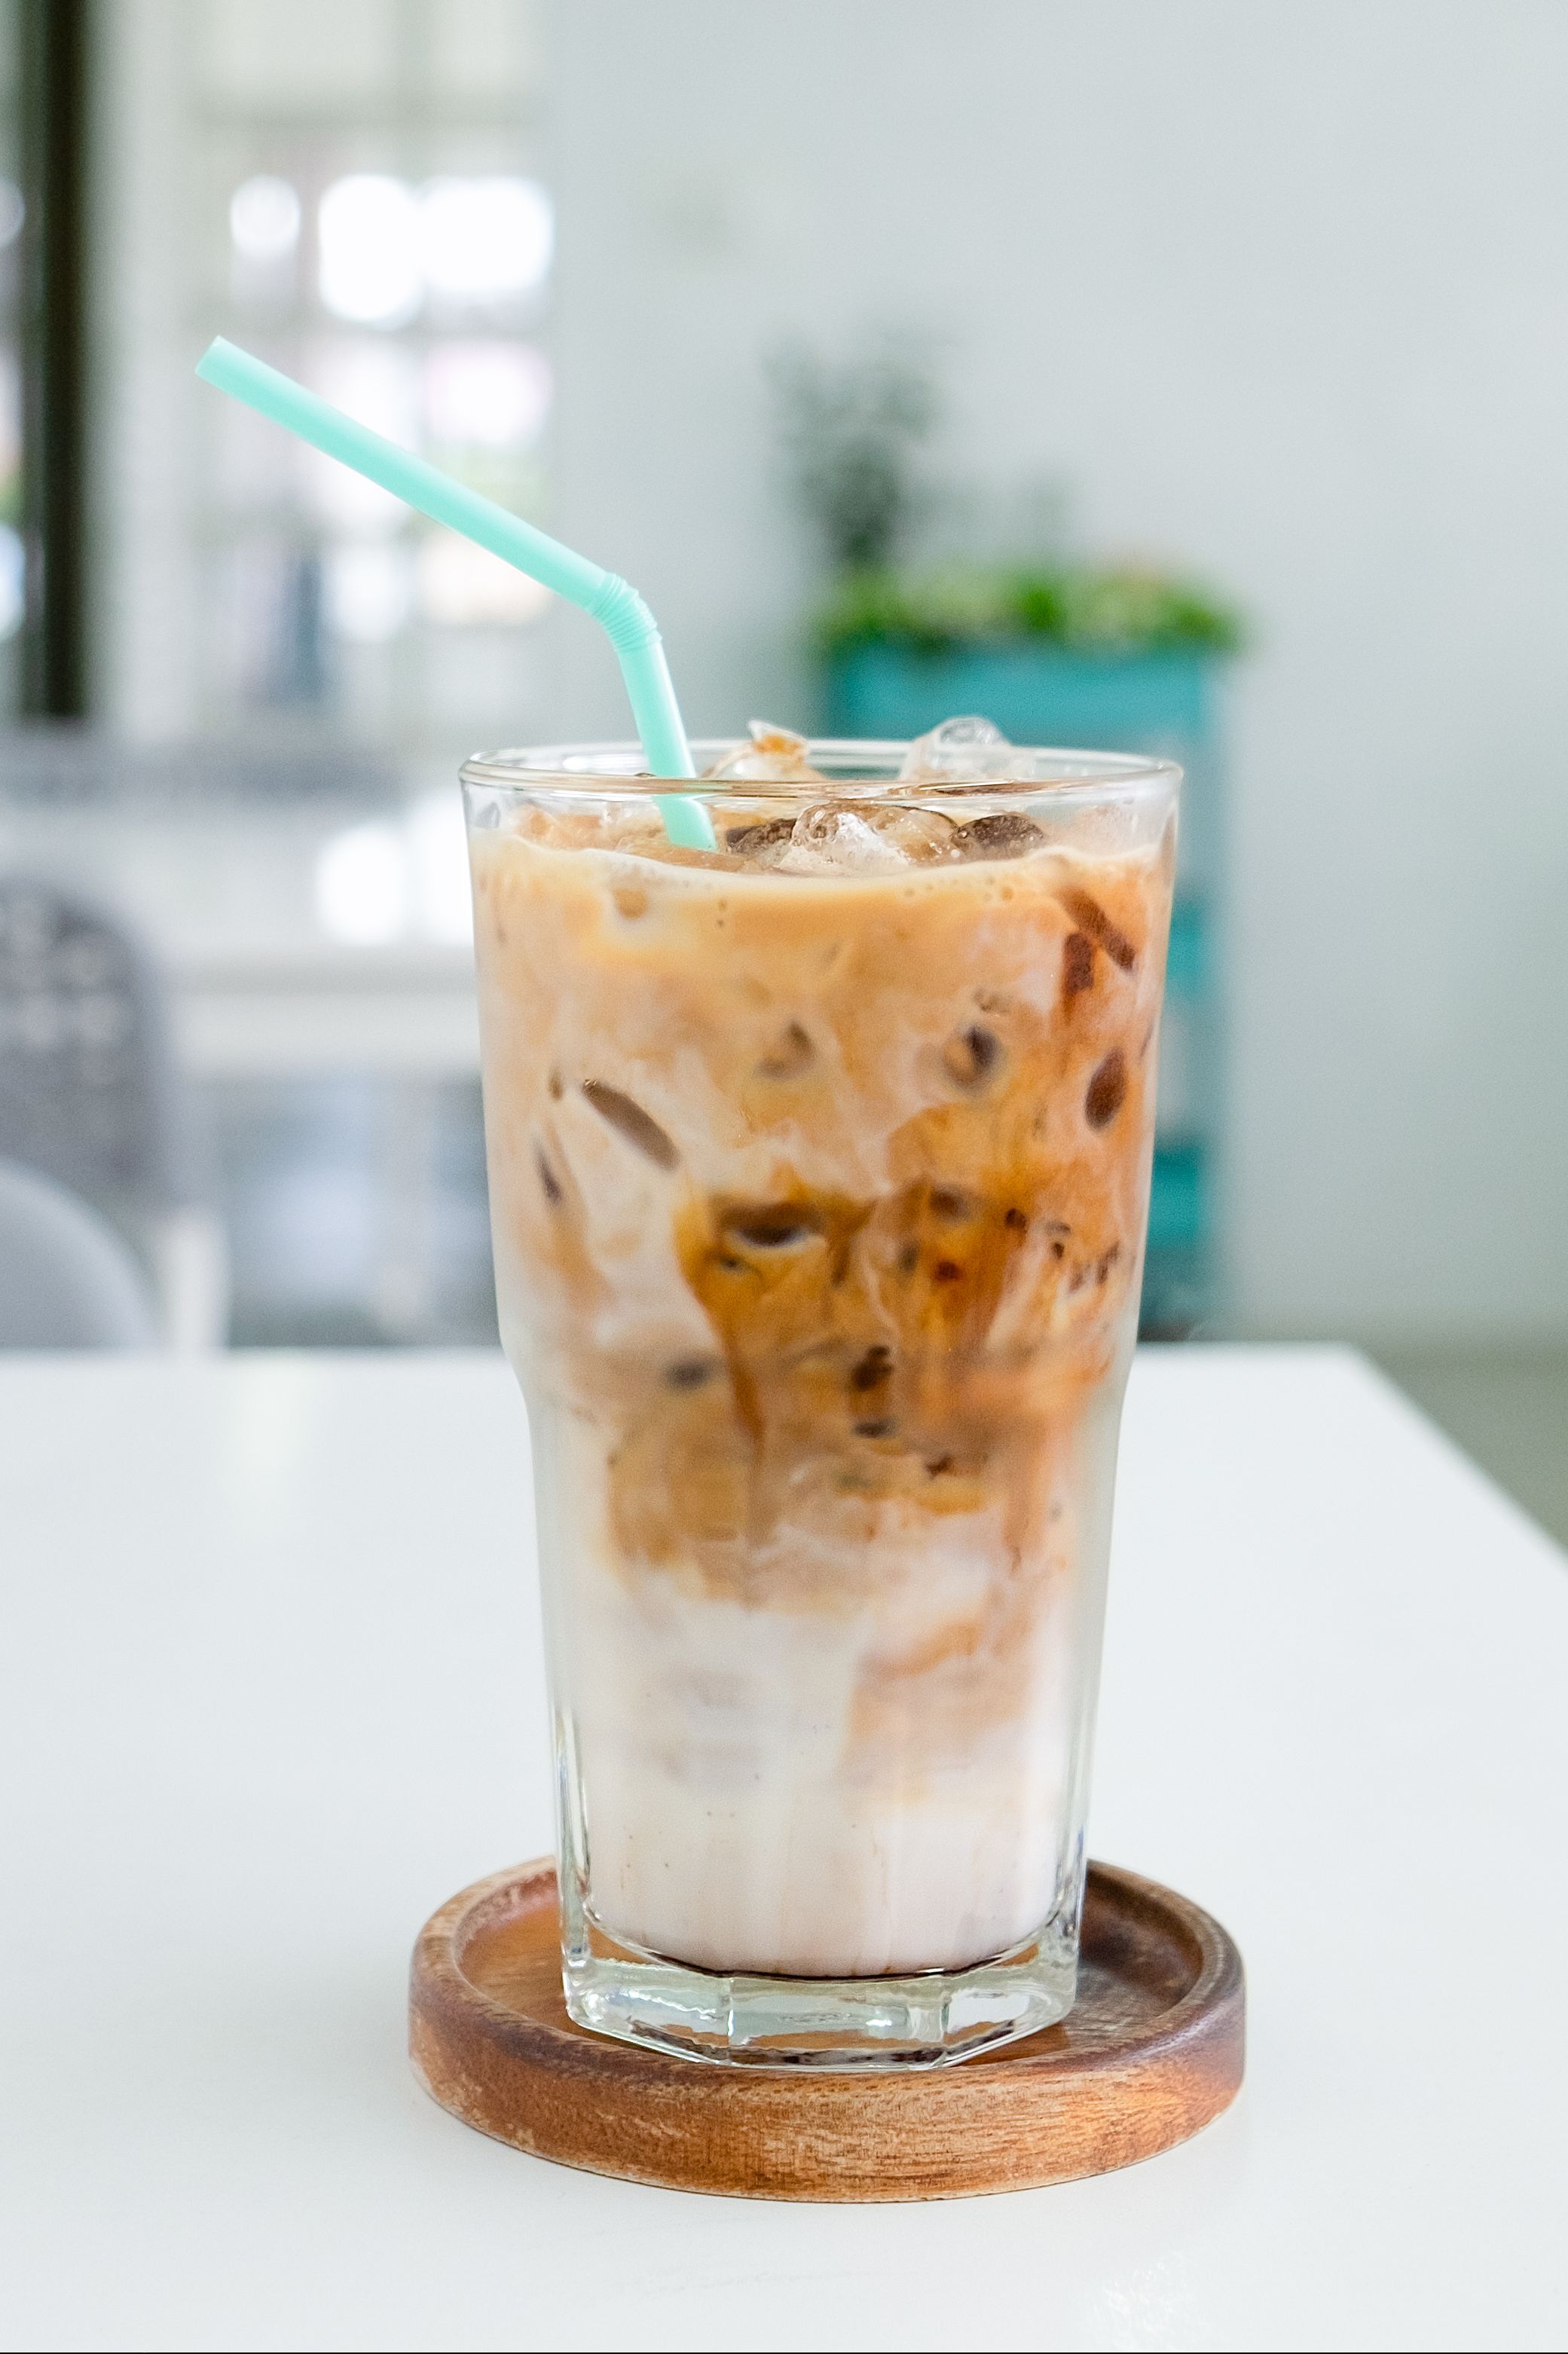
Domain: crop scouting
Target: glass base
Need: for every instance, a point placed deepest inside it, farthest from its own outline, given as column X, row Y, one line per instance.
column 843, row 2025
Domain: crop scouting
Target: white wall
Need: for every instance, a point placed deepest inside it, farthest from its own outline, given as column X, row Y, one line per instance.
column 1284, row 290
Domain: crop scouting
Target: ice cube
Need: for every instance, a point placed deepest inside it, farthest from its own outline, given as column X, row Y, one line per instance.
column 831, row 841
column 924, row 836
column 773, row 752
column 1008, row 833
column 762, row 841
column 967, row 751
column 919, row 836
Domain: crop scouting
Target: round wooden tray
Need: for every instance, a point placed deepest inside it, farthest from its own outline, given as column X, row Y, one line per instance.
column 1151, row 2050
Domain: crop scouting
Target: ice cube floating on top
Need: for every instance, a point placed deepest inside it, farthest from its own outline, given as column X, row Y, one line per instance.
column 852, row 836
column 967, row 751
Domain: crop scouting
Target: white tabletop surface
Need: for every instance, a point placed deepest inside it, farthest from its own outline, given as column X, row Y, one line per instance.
column 269, row 1689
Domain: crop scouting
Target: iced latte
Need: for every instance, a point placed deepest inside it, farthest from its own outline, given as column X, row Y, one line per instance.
column 820, row 1168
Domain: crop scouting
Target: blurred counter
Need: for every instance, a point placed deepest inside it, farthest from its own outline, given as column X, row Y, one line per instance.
column 299, row 935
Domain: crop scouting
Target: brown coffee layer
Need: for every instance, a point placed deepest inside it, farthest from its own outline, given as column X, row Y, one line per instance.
column 823, row 1196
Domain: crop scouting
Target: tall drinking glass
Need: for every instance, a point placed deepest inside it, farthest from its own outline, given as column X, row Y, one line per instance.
column 819, row 1171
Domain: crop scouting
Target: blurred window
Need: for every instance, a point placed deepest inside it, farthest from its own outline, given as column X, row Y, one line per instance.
column 369, row 214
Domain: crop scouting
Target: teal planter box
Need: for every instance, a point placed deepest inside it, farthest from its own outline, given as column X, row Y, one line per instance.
column 1164, row 702
column 1187, row 958
column 1036, row 695
column 1178, row 1202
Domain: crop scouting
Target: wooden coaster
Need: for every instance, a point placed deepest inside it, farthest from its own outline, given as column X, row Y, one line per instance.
column 1151, row 2050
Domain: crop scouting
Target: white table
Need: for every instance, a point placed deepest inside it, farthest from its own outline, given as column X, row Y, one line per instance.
column 271, row 1690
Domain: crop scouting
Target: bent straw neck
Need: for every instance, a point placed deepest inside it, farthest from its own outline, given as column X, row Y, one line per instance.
column 604, row 596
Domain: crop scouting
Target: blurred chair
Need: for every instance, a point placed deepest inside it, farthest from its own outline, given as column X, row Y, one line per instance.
column 67, row 1278
column 89, row 1095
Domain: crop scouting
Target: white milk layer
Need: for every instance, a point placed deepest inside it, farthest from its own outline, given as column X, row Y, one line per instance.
column 752, row 1801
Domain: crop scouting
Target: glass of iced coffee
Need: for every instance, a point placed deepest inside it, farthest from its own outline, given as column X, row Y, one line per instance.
column 819, row 1166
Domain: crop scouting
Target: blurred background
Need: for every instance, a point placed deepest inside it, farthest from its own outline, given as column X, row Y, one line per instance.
column 1187, row 377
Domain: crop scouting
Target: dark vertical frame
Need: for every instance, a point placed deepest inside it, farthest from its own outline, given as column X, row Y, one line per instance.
column 53, row 63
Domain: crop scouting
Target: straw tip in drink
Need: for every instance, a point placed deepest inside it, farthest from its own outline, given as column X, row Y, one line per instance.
column 687, row 822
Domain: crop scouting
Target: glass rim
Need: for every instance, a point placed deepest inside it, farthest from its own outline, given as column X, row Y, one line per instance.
column 852, row 767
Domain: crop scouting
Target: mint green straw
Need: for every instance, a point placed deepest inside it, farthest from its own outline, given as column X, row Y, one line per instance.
column 613, row 602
